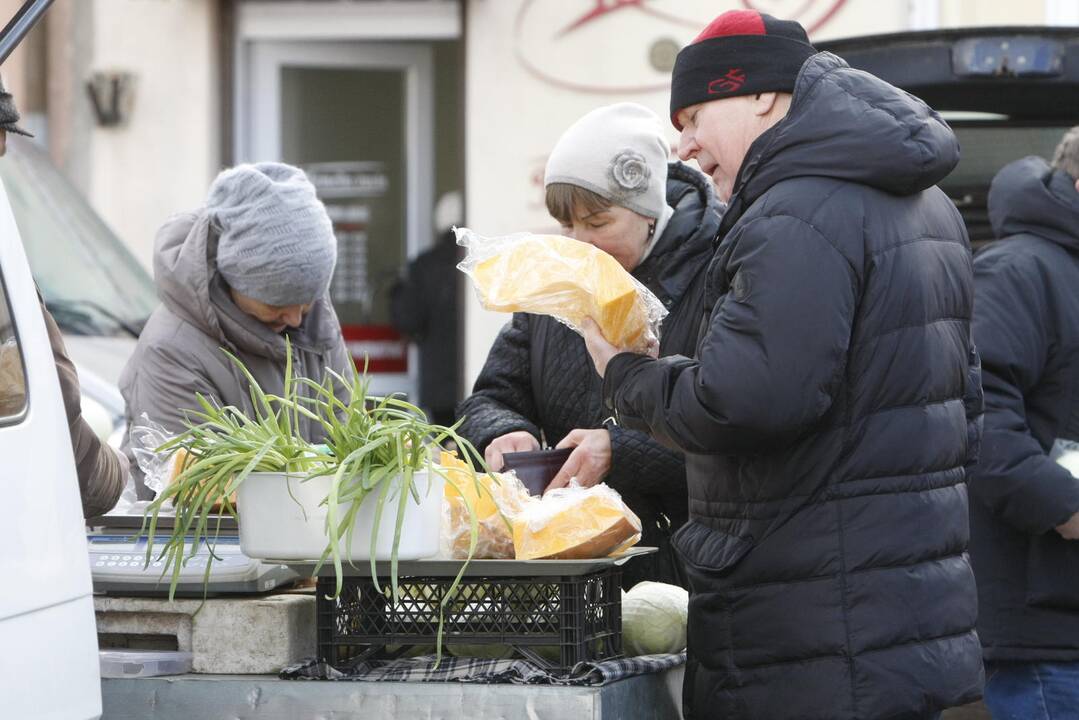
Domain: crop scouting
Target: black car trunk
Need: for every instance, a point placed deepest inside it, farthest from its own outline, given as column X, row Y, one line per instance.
column 1008, row 92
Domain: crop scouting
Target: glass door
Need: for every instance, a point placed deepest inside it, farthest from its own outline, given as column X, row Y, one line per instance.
column 357, row 117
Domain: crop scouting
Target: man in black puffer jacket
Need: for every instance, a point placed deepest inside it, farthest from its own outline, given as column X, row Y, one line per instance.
column 539, row 382
column 833, row 403
column 1024, row 516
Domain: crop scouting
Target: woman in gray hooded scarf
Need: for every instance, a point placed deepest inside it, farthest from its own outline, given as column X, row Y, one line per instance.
column 250, row 268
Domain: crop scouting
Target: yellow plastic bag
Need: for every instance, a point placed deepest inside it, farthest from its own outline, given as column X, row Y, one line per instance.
column 564, row 278
column 575, row 523
column 496, row 500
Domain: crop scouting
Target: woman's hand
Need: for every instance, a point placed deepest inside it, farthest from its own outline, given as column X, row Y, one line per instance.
column 518, row 441
column 589, row 461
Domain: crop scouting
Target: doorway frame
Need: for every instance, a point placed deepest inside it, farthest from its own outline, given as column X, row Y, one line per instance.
column 262, row 141
column 309, row 25
column 313, row 24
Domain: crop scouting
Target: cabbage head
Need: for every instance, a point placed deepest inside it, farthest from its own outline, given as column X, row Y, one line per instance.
column 654, row 619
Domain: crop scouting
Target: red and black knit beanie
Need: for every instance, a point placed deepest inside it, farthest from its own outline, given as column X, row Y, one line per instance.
column 741, row 52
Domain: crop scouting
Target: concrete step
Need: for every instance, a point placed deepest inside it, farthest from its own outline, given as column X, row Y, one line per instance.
column 218, row 697
column 230, row 636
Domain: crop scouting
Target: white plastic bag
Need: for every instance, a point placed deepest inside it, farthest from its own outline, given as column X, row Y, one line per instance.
column 157, row 468
column 566, row 279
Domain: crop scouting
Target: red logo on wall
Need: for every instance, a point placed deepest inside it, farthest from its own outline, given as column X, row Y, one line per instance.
column 551, row 36
column 734, row 79
column 598, row 10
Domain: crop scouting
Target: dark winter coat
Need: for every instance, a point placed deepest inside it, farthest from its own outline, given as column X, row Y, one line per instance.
column 1026, row 327
column 539, row 378
column 424, row 307
column 827, row 420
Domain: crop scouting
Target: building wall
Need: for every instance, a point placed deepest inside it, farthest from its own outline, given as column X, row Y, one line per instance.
column 24, row 70
column 164, row 158
column 956, row 13
column 548, row 71
column 552, row 62
column 528, row 75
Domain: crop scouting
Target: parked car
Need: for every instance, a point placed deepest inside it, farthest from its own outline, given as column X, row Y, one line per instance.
column 94, row 287
column 1008, row 92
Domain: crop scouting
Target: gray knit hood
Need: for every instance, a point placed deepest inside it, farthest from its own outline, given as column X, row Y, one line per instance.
column 185, row 271
column 275, row 238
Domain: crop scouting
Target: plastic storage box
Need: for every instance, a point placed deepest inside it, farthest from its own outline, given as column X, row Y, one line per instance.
column 553, row 620
column 144, row 663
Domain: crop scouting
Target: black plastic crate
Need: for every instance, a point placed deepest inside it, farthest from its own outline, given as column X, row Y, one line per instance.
column 554, row 621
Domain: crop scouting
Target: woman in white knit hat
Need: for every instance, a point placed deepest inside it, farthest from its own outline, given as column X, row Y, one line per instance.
column 608, row 183
column 249, row 268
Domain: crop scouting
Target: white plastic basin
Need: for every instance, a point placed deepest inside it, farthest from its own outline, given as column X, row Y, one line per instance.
column 282, row 518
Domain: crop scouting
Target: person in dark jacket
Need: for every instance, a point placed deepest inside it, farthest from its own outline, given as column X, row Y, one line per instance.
column 538, row 383
column 424, row 307
column 1024, row 518
column 833, row 403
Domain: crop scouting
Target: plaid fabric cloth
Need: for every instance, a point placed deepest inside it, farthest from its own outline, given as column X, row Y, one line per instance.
column 479, row 670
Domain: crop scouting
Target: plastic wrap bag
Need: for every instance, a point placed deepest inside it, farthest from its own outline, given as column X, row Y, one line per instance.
column 158, row 468
column 575, row 523
column 566, row 279
column 498, row 500
column 1066, row 454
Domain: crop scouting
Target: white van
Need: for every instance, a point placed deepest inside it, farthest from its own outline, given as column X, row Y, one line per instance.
column 49, row 666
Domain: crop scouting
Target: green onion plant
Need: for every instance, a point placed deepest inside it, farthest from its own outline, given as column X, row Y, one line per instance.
column 372, row 449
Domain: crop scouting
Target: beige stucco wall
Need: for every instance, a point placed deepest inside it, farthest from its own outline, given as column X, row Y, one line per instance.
column 546, row 78
column 164, row 158
column 510, row 132
column 957, row 13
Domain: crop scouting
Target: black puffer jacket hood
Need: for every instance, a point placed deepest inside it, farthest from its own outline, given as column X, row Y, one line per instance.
column 1028, row 196
column 689, row 233
column 846, row 124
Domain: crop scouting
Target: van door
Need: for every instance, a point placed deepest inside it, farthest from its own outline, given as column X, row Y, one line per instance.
column 48, row 638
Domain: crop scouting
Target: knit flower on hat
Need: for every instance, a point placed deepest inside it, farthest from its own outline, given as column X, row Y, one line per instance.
column 629, row 173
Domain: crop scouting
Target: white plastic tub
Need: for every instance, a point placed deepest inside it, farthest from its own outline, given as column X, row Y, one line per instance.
column 144, row 663
column 275, row 524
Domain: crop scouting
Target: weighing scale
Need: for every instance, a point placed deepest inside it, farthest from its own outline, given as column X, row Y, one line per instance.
column 118, row 562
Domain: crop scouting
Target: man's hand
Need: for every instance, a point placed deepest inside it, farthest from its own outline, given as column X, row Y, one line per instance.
column 518, row 441
column 589, row 461
column 601, row 350
column 1070, row 529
